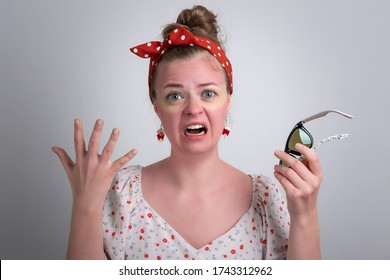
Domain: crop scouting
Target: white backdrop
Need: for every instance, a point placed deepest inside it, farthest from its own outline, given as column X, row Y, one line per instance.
column 65, row 59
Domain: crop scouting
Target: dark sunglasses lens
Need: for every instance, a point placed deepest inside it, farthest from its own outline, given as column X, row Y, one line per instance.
column 299, row 136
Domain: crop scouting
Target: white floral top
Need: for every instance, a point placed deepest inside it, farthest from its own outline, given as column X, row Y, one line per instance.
column 133, row 230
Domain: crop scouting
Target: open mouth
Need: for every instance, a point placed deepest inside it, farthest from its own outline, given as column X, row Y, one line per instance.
column 194, row 130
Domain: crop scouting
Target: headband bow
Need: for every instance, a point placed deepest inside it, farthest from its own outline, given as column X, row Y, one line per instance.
column 182, row 37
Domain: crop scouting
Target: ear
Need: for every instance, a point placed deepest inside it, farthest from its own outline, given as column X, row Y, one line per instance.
column 229, row 103
column 155, row 108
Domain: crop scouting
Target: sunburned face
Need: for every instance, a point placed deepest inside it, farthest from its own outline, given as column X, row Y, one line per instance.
column 192, row 102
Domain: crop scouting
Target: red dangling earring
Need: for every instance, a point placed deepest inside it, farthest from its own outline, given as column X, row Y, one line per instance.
column 226, row 129
column 160, row 134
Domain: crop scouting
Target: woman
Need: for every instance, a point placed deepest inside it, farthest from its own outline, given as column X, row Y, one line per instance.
column 191, row 205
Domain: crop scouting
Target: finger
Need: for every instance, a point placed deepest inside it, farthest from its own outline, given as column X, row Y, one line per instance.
column 110, row 146
column 294, row 164
column 66, row 161
column 312, row 159
column 94, row 141
column 120, row 162
column 79, row 143
column 291, row 175
column 286, row 184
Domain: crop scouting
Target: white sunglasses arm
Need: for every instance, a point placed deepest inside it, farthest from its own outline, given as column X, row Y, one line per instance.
column 327, row 139
column 324, row 113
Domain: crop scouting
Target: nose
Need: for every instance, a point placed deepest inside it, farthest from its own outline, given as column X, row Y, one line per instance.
column 194, row 106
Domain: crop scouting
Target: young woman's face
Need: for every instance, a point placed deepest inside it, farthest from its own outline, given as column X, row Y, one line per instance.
column 192, row 102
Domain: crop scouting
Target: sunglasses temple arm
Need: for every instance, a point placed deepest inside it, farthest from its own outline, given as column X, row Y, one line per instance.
column 324, row 113
column 334, row 137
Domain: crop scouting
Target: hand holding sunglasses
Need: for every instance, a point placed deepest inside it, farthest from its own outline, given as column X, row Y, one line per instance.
column 301, row 181
column 301, row 135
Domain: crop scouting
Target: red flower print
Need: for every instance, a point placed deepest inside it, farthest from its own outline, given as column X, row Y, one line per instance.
column 122, row 218
column 158, row 257
column 186, row 256
column 116, row 183
column 281, row 209
column 106, row 230
column 113, row 188
column 140, row 237
column 165, row 240
column 242, row 246
column 146, row 256
column 113, row 234
column 121, row 232
column 253, row 220
column 211, row 242
column 129, row 201
column 142, row 216
column 225, row 256
column 272, row 231
column 113, row 213
column 266, row 187
column 233, row 252
column 266, row 194
column 254, row 228
column 276, row 189
column 207, row 248
column 265, row 202
column 172, row 236
column 149, row 215
column 263, row 241
column 142, row 230
column 130, row 226
column 157, row 244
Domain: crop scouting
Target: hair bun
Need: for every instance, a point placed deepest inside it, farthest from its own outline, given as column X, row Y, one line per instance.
column 199, row 20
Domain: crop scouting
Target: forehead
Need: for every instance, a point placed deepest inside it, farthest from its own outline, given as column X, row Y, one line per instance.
column 198, row 69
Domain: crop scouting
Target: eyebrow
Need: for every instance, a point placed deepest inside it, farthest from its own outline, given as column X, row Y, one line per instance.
column 173, row 85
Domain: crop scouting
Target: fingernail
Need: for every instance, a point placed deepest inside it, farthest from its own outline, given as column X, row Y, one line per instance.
column 76, row 121
column 133, row 152
column 115, row 131
column 298, row 145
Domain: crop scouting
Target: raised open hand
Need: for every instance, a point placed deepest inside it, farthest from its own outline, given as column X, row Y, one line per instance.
column 91, row 174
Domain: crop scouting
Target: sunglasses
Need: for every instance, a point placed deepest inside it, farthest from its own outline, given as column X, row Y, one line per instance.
column 300, row 134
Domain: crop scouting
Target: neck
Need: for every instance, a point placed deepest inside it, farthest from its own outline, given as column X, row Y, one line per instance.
column 191, row 172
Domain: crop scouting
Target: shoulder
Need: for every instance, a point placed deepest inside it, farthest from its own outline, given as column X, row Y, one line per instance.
column 268, row 197
column 263, row 184
column 125, row 186
column 128, row 172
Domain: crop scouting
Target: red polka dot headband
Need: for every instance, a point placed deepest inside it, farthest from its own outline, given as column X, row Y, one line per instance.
column 182, row 37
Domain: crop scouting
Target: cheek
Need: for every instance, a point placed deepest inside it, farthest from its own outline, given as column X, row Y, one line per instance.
column 217, row 118
column 170, row 120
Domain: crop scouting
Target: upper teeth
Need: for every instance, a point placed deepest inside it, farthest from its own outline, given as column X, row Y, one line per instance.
column 195, row 126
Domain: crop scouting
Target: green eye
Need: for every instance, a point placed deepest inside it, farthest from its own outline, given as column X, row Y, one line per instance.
column 208, row 94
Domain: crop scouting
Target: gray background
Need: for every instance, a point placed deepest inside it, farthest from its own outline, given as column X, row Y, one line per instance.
column 65, row 59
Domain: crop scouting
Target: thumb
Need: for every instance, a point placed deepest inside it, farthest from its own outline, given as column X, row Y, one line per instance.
column 66, row 161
